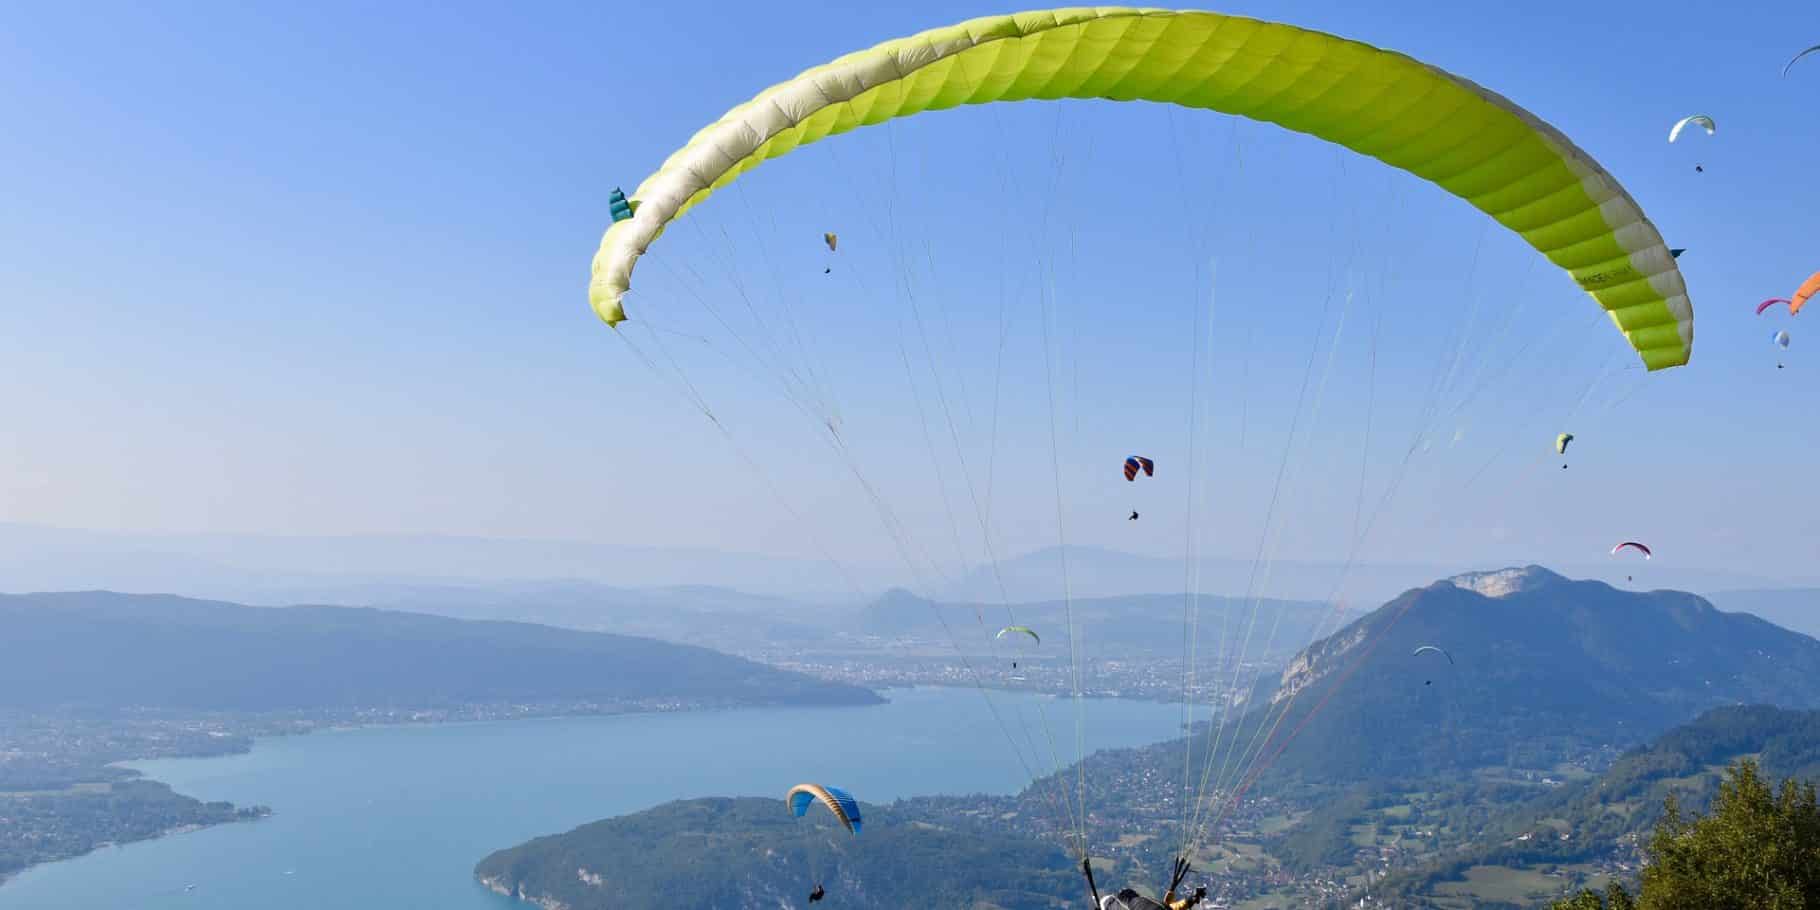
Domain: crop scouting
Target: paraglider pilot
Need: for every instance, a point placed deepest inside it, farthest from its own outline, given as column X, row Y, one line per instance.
column 1129, row 899
column 844, row 808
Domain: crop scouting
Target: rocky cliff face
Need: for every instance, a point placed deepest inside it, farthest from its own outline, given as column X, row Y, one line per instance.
column 1317, row 661
column 1505, row 582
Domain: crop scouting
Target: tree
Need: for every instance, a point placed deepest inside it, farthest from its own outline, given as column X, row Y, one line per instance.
column 1616, row 898
column 1757, row 850
column 1585, row 900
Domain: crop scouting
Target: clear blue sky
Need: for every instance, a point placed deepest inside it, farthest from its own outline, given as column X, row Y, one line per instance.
column 321, row 271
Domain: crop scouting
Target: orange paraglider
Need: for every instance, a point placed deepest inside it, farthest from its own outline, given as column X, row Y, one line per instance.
column 1809, row 288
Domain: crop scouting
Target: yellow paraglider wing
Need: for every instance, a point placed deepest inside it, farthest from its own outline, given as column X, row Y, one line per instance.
column 844, row 807
column 1438, row 126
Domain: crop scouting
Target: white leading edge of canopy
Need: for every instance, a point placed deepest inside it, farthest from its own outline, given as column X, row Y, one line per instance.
column 743, row 130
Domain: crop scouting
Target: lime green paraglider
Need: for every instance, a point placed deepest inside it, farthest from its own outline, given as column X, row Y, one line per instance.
column 1019, row 630
column 1473, row 142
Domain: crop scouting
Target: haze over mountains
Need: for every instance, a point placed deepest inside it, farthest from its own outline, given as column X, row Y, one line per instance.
column 1583, row 654
column 1790, row 608
column 1112, row 627
column 276, row 571
column 104, row 650
column 1096, row 572
column 379, row 571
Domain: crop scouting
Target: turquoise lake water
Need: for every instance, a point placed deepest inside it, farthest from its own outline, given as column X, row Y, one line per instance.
column 389, row 818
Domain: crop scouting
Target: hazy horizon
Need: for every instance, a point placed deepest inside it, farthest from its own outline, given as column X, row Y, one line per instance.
column 278, row 569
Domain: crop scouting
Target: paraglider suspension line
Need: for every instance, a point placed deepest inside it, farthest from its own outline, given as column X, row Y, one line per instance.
column 1175, row 879
column 1092, row 889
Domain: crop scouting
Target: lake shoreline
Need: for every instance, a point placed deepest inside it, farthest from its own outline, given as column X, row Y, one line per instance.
column 276, row 726
column 172, row 831
column 282, row 726
column 353, row 810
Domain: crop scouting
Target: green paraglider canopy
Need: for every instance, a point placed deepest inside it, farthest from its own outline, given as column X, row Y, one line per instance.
column 1469, row 140
column 1019, row 630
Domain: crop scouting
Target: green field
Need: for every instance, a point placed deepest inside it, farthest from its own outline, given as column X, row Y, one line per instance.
column 1500, row 883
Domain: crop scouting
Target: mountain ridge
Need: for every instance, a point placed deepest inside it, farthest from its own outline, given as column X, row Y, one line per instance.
column 1582, row 653
column 105, row 649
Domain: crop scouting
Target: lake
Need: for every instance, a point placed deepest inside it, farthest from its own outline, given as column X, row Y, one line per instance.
column 389, row 818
